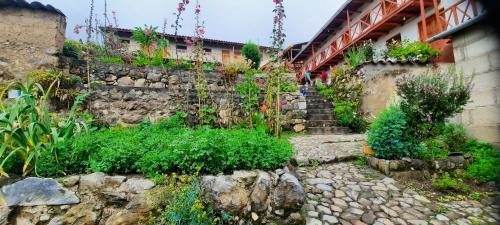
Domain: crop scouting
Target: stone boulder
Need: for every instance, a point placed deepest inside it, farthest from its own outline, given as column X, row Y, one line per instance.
column 256, row 197
column 34, row 191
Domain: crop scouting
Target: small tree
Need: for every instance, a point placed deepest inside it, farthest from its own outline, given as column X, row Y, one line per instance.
column 251, row 51
column 430, row 99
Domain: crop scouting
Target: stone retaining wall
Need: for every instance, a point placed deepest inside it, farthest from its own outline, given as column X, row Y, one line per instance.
column 392, row 167
column 133, row 93
column 252, row 197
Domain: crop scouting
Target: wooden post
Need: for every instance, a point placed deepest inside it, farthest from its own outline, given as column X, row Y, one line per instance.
column 438, row 17
column 424, row 20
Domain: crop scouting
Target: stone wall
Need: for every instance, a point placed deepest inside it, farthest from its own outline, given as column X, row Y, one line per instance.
column 252, row 197
column 133, row 93
column 29, row 38
column 477, row 52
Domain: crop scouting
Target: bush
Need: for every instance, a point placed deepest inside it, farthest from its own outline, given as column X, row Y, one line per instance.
column 232, row 69
column 344, row 113
column 288, row 86
column 357, row 55
column 251, row 52
column 169, row 146
column 448, row 183
column 388, row 138
column 446, row 138
column 412, row 51
column 73, row 49
column 429, row 99
column 485, row 167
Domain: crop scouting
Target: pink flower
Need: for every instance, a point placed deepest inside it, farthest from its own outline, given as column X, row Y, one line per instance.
column 277, row 1
column 200, row 31
column 220, row 68
column 197, row 10
column 148, row 31
column 181, row 7
column 177, row 62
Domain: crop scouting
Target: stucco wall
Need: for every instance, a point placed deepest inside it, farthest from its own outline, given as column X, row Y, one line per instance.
column 477, row 52
column 379, row 83
column 28, row 39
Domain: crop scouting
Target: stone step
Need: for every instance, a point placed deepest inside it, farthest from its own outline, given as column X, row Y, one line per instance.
column 328, row 116
column 320, row 123
column 328, row 130
column 313, row 111
column 317, row 100
column 322, row 105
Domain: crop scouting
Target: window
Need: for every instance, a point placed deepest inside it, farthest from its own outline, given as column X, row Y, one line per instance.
column 395, row 38
column 207, row 51
column 181, row 48
column 124, row 41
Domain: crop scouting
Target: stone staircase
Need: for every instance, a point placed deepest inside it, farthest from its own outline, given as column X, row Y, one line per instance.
column 319, row 115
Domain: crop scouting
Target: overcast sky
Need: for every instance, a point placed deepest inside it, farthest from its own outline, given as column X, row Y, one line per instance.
column 230, row 20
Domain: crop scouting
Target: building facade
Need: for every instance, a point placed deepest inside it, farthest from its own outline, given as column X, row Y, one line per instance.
column 215, row 50
column 454, row 27
column 21, row 53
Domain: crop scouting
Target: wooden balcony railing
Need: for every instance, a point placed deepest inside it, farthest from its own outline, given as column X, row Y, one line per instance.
column 458, row 13
column 369, row 20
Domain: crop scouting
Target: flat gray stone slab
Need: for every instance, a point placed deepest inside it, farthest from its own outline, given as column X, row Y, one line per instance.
column 34, row 191
column 327, row 148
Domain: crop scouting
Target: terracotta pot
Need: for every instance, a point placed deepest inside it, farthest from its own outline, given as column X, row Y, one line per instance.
column 367, row 150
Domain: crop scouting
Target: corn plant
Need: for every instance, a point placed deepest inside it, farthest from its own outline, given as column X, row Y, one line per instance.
column 26, row 127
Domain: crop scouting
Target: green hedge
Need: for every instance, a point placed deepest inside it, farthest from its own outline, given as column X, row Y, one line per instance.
column 167, row 146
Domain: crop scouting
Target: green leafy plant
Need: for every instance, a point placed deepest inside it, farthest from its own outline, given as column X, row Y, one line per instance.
column 446, row 138
column 115, row 60
column 146, row 37
column 446, row 182
column 73, row 49
column 429, row 99
column 64, row 90
column 288, row 86
column 344, row 113
column 412, row 51
column 249, row 92
column 357, row 55
column 486, row 160
column 169, row 146
column 361, row 162
column 388, row 137
column 208, row 116
column 26, row 129
column 251, row 52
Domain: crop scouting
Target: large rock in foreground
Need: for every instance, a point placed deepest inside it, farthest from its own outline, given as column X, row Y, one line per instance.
column 34, row 191
column 257, row 197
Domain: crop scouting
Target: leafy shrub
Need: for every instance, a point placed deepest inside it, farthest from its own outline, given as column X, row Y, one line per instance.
column 324, row 90
column 169, row 146
column 445, row 138
column 27, row 131
column 64, row 93
column 232, row 69
column 429, row 99
column 387, row 135
column 344, row 113
column 116, row 60
column 346, row 86
column 288, row 86
column 357, row 55
column 412, row 51
column 486, row 160
column 448, row 183
column 251, row 52
column 73, row 49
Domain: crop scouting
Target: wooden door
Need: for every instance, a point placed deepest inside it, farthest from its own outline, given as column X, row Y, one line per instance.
column 225, row 56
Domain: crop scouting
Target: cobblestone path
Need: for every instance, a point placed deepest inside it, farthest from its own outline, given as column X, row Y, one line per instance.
column 342, row 193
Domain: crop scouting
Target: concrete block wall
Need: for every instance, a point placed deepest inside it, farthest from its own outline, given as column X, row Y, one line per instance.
column 477, row 54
